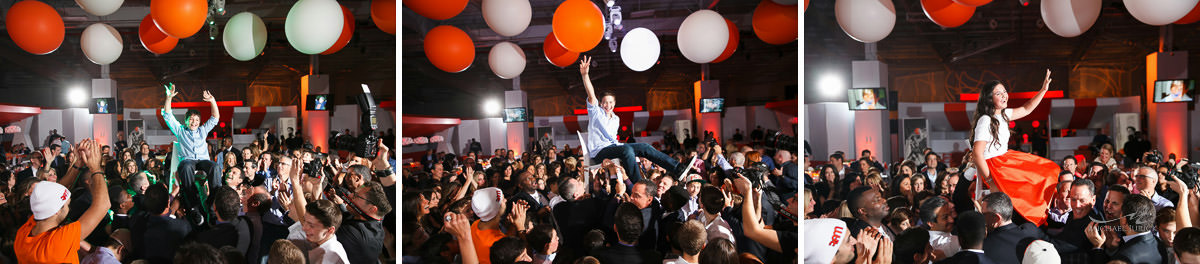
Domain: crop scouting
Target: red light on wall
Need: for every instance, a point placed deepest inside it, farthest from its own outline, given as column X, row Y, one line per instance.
column 615, row 110
column 1024, row 137
column 1036, row 124
column 623, row 128
column 222, row 124
column 205, row 104
column 1012, row 124
column 1023, row 95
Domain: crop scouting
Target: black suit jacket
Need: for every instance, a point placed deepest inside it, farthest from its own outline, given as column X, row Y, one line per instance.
column 621, row 254
column 1139, row 250
column 1001, row 244
column 967, row 257
column 575, row 219
column 1072, row 234
column 235, row 233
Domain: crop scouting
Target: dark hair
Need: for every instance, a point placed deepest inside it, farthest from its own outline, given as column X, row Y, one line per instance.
column 283, row 251
column 231, row 255
column 929, row 208
column 607, row 93
column 987, row 107
column 1139, row 213
column 227, row 203
column 198, row 253
column 712, row 199
column 856, row 199
column 377, row 197
column 1187, row 240
column 628, row 222
column 1119, row 189
column 999, row 203
column 1091, row 187
column 156, row 199
column 325, row 212
column 507, row 250
column 593, row 239
column 539, row 238
column 719, row 251
column 691, row 237
column 190, row 113
column 650, row 189
column 895, row 184
column 971, row 229
column 261, row 202
column 908, row 243
column 1165, row 215
column 900, row 215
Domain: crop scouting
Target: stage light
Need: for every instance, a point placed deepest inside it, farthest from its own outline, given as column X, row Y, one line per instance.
column 491, row 107
column 831, row 85
column 76, row 96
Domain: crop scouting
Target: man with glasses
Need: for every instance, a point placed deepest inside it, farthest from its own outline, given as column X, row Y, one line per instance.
column 1147, row 181
column 1081, row 199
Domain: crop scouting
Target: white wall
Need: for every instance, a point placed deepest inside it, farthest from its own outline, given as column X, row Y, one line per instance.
column 735, row 118
column 495, row 131
column 47, row 120
column 830, row 128
column 80, row 122
column 467, row 130
column 346, row 117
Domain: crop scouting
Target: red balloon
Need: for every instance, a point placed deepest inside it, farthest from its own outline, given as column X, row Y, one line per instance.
column 734, row 37
column 449, row 48
column 179, row 18
column 556, row 54
column 35, row 26
column 383, row 12
column 973, row 3
column 433, row 9
column 578, row 25
column 776, row 24
column 1191, row 17
column 947, row 13
column 347, row 31
column 154, row 39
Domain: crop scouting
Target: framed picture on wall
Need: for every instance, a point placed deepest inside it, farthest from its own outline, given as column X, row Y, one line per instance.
column 916, row 139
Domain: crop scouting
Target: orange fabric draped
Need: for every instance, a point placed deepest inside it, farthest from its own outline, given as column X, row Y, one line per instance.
column 1028, row 180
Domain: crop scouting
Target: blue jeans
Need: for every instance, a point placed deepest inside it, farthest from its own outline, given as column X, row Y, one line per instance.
column 628, row 154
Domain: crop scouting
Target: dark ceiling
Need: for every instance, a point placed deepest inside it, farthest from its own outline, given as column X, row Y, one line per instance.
column 1002, row 34
column 198, row 62
column 756, row 73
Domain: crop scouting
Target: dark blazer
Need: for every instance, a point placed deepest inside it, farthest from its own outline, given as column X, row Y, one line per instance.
column 1001, row 244
column 534, row 205
column 162, row 236
column 968, row 257
column 235, row 233
column 1139, row 250
column 576, row 218
column 622, row 254
column 1072, row 234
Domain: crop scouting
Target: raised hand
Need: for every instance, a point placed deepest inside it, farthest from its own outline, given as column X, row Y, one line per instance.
column 584, row 65
column 885, row 252
column 208, row 97
column 457, row 225
column 517, row 216
column 1046, row 82
column 1094, row 234
column 171, row 92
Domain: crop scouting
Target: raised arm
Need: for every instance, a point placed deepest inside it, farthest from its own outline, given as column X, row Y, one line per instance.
column 1024, row 110
column 216, row 113
column 584, row 66
column 298, row 201
column 99, row 188
column 170, row 94
column 751, row 225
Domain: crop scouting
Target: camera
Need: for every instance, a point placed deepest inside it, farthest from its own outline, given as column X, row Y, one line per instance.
column 314, row 169
column 365, row 145
column 1152, row 158
column 777, row 140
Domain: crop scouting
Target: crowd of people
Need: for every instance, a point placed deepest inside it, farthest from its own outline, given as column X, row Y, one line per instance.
column 738, row 203
column 275, row 200
column 1109, row 210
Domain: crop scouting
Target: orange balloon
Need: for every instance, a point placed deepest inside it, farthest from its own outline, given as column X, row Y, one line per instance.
column 179, row 18
column 347, row 31
column 1191, row 17
column 578, row 25
column 776, row 24
column 449, row 48
column 35, row 26
column 383, row 12
column 973, row 3
column 947, row 13
column 153, row 39
column 734, row 37
column 556, row 54
column 433, row 9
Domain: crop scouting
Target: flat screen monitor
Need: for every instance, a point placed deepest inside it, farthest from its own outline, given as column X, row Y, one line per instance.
column 107, row 105
column 516, row 114
column 712, row 105
column 317, row 102
column 1169, row 91
column 867, row 98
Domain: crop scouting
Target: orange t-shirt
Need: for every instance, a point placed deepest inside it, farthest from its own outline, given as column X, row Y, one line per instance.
column 59, row 245
column 483, row 240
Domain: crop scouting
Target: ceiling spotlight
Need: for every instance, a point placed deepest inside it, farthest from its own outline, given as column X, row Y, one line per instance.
column 491, row 107
column 831, row 85
column 76, row 96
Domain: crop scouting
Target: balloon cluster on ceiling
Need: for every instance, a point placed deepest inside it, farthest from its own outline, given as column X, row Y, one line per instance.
column 579, row 25
column 872, row 20
column 312, row 27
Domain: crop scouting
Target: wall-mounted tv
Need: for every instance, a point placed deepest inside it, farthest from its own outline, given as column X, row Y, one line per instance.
column 867, row 98
column 317, row 102
column 516, row 114
column 1169, row 91
column 712, row 105
column 107, row 105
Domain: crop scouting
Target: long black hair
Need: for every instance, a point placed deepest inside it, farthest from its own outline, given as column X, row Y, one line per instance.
column 986, row 107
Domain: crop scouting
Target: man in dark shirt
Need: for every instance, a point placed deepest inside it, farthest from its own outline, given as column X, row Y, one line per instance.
column 229, row 229
column 361, row 232
column 628, row 224
column 1138, row 245
column 163, row 234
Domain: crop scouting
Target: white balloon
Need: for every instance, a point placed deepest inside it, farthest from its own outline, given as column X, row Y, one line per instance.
column 703, row 36
column 507, row 60
column 101, row 43
column 640, row 49
column 1070, row 18
column 507, row 17
column 100, row 7
column 1159, row 12
column 866, row 21
column 784, row 2
column 245, row 36
column 312, row 26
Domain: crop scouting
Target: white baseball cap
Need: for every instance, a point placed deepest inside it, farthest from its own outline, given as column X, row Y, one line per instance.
column 1041, row 251
column 823, row 236
column 47, row 199
column 486, row 203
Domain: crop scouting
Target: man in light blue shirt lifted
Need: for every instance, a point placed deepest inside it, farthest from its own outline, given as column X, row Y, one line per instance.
column 602, row 135
column 193, row 149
